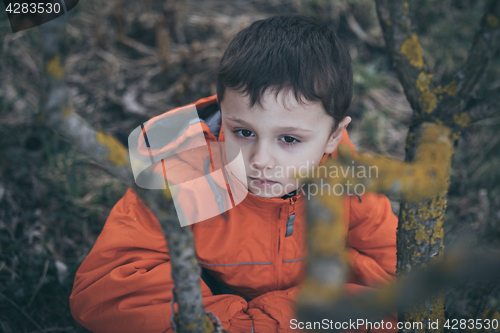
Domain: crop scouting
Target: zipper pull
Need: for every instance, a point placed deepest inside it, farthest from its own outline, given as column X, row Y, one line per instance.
column 291, row 219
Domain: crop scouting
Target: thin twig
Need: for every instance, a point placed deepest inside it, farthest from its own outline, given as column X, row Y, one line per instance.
column 22, row 311
column 360, row 33
column 483, row 48
column 45, row 268
column 484, row 152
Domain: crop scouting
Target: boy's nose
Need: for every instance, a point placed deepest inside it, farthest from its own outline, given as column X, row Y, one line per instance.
column 262, row 157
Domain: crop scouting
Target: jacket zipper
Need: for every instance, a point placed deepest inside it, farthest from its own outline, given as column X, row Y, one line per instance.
column 281, row 239
column 291, row 218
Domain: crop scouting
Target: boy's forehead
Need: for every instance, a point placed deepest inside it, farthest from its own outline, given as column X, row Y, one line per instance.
column 282, row 112
column 284, row 99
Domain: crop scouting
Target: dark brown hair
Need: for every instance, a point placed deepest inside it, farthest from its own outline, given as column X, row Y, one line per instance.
column 289, row 52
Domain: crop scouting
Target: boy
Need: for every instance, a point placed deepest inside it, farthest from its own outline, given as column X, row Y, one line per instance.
column 283, row 87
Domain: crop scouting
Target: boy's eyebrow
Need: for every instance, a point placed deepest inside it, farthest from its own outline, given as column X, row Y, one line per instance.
column 281, row 129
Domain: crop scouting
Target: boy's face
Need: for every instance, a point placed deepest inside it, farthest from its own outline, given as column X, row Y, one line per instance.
column 278, row 140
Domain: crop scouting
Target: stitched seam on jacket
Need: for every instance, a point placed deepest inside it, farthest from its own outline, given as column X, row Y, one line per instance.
column 292, row 260
column 239, row 263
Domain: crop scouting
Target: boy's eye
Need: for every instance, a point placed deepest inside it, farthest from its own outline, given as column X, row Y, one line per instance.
column 244, row 133
column 290, row 139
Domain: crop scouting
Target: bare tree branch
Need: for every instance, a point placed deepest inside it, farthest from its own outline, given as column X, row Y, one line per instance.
column 360, row 33
column 458, row 267
column 482, row 108
column 483, row 49
column 406, row 53
column 57, row 113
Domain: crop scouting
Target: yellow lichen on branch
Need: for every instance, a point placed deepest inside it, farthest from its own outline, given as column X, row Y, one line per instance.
column 424, row 178
column 433, row 210
column 424, row 80
column 462, row 119
column 436, row 148
column 428, row 98
column 117, row 153
column 429, row 101
column 412, row 50
column 54, row 67
column 452, row 88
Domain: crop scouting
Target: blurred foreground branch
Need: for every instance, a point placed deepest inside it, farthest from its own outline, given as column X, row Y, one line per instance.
column 457, row 267
column 56, row 112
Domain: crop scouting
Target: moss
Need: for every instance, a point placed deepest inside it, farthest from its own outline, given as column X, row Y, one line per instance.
column 192, row 326
column 415, row 314
column 421, row 235
column 54, row 67
column 452, row 88
column 437, row 313
column 423, row 81
column 427, row 98
column 462, row 119
column 117, row 153
column 492, row 20
column 429, row 101
column 412, row 50
column 208, row 326
column 418, row 313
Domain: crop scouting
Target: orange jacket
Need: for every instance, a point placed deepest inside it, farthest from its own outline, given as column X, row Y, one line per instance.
column 251, row 269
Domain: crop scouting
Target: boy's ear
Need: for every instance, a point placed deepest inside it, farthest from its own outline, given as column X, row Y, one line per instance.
column 334, row 139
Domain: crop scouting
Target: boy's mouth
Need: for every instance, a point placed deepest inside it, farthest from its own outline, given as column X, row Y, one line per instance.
column 261, row 182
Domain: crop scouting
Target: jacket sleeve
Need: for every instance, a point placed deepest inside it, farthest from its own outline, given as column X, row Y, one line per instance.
column 125, row 283
column 371, row 240
column 371, row 247
column 280, row 306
